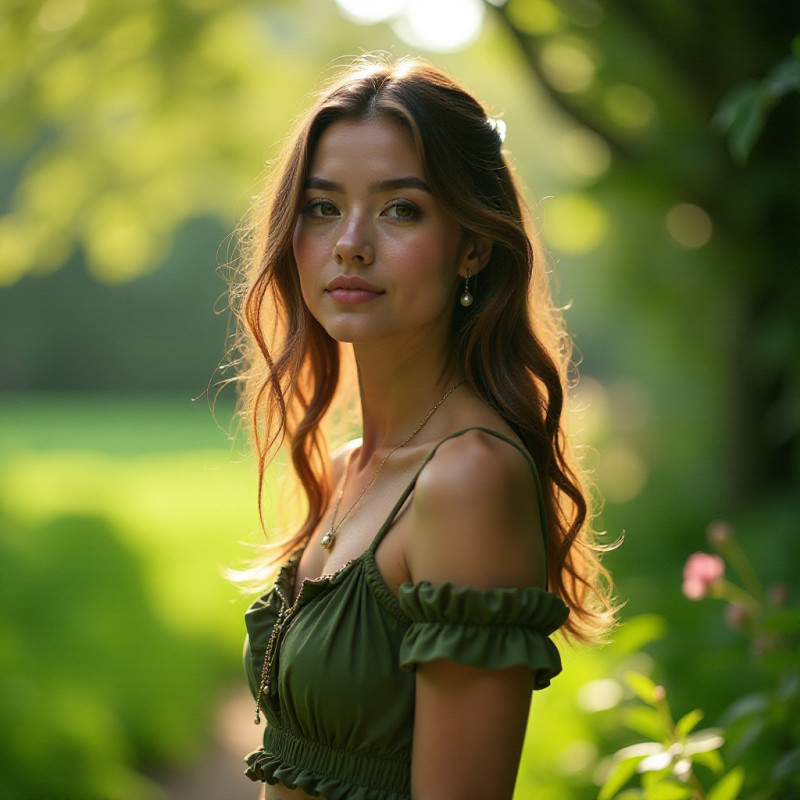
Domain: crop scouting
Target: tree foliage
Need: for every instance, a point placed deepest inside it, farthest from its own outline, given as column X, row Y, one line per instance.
column 126, row 119
column 699, row 103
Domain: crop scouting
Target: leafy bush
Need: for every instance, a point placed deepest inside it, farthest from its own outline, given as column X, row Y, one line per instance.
column 760, row 731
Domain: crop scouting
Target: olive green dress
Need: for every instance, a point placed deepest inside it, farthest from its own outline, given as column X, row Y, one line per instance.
column 340, row 701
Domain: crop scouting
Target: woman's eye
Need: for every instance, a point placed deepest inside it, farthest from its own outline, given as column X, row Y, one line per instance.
column 320, row 208
column 403, row 209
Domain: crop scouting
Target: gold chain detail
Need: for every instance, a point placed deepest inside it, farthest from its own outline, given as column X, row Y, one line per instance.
column 329, row 539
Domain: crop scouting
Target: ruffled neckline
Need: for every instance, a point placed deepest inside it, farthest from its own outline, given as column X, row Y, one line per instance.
column 286, row 579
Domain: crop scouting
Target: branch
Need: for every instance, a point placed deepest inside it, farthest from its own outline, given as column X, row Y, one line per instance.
column 559, row 98
column 683, row 61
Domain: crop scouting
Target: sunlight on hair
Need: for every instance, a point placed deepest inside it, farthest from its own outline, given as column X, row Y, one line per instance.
column 689, row 225
column 575, row 223
column 442, row 26
column 623, row 473
column 585, row 152
column 628, row 106
column 567, row 66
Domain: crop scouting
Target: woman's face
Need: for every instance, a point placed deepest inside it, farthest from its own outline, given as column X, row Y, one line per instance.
column 378, row 256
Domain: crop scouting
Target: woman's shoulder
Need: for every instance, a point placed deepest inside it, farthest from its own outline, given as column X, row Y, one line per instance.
column 479, row 458
column 476, row 514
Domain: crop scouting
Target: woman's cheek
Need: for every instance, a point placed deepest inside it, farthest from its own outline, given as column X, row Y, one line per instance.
column 300, row 245
column 309, row 255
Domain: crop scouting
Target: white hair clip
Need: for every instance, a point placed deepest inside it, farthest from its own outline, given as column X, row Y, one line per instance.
column 499, row 127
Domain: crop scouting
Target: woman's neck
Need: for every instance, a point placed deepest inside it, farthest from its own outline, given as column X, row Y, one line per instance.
column 397, row 392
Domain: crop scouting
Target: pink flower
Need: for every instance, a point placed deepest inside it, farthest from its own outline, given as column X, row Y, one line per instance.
column 701, row 572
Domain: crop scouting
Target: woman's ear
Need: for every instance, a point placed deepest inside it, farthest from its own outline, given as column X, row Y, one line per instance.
column 475, row 255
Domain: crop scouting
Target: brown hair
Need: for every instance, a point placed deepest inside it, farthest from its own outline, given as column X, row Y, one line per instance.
column 516, row 360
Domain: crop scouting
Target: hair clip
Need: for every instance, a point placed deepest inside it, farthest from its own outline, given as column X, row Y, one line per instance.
column 499, row 127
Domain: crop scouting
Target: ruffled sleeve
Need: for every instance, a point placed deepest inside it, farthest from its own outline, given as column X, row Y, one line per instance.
column 492, row 629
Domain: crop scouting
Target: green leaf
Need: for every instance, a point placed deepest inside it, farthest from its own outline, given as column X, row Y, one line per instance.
column 642, row 686
column 728, row 787
column 669, row 790
column 743, row 740
column 746, row 706
column 687, row 723
column 784, row 78
column 786, row 765
column 731, row 104
column 619, row 776
column 710, row 759
column 747, row 127
column 790, row 684
column 645, row 721
column 742, row 113
column 654, row 778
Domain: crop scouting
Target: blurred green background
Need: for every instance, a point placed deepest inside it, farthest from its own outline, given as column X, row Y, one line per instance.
column 660, row 144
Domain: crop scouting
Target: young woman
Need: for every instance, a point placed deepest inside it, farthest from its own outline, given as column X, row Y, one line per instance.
column 395, row 655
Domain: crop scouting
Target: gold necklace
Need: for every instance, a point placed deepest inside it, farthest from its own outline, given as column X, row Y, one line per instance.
column 329, row 539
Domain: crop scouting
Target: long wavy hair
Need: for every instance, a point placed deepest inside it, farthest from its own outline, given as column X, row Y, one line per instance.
column 511, row 342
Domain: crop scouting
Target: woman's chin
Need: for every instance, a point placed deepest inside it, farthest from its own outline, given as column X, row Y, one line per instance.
column 352, row 328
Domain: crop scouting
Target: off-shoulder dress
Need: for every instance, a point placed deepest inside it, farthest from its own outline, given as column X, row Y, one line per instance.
column 339, row 706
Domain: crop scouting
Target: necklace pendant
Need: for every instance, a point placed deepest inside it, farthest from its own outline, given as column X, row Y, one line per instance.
column 257, row 717
column 327, row 541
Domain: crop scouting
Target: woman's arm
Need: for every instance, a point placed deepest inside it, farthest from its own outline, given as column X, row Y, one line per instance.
column 475, row 523
column 468, row 731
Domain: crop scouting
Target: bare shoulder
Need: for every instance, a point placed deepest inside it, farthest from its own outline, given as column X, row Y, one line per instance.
column 475, row 515
column 475, row 461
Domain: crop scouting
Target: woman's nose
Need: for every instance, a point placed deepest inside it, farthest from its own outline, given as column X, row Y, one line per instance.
column 354, row 246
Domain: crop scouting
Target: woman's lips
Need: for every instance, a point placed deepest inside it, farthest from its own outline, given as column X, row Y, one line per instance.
column 351, row 297
column 350, row 290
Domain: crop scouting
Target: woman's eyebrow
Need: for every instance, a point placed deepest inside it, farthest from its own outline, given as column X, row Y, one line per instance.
column 407, row 182
column 388, row 185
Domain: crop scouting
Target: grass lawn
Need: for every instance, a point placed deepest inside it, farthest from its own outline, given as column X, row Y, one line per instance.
column 117, row 516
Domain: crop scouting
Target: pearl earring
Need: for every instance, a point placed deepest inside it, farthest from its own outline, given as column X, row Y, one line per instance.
column 466, row 298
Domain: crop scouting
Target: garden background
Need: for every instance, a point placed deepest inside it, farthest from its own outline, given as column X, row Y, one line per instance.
column 660, row 143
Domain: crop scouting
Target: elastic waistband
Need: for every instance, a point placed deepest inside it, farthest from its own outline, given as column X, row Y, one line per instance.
column 365, row 769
